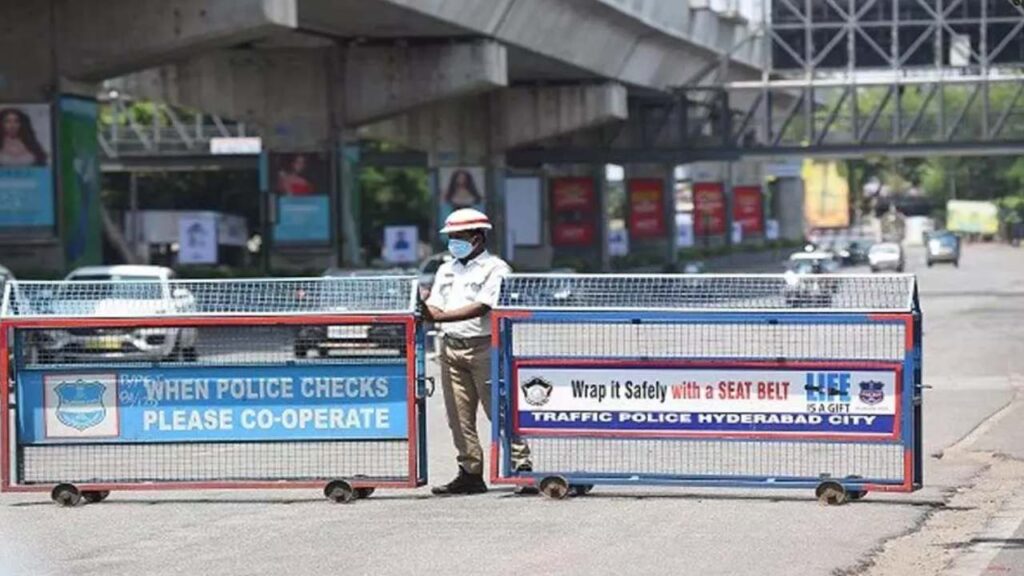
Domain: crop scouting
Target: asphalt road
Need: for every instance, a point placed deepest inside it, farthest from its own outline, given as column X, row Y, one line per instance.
column 974, row 359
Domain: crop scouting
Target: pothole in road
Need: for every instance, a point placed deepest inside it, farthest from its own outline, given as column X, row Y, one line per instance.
column 950, row 531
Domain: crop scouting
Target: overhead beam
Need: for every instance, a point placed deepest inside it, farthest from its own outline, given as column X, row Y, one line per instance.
column 475, row 127
column 382, row 81
column 99, row 39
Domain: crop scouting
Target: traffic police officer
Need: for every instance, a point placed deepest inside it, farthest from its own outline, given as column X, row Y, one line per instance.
column 464, row 291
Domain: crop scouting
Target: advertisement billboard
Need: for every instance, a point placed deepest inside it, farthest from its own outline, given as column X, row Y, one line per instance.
column 461, row 187
column 80, row 181
column 747, row 209
column 26, row 171
column 573, row 211
column 709, row 208
column 763, row 401
column 646, row 208
column 301, row 182
column 972, row 217
column 826, row 196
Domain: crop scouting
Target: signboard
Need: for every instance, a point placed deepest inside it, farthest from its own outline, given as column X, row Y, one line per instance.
column 523, row 211
column 301, row 183
column 197, row 239
column 461, row 187
column 646, row 208
column 26, row 170
column 80, row 181
column 573, row 211
column 737, row 233
column 709, row 208
column 400, row 244
column 972, row 217
column 236, row 145
column 747, row 209
column 684, row 230
column 213, row 404
column 681, row 400
column 826, row 195
column 618, row 242
column 771, row 229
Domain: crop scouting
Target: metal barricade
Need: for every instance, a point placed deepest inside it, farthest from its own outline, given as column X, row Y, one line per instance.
column 775, row 381
column 292, row 383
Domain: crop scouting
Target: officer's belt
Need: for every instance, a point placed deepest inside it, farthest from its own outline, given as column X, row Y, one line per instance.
column 463, row 343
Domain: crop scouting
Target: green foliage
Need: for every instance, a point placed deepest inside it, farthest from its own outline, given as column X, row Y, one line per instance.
column 392, row 196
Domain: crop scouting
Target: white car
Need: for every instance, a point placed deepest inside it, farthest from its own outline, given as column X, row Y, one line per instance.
column 886, row 256
column 807, row 281
column 112, row 291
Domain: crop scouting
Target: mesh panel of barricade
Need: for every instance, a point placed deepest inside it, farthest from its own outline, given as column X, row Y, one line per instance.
column 190, row 345
column 709, row 340
column 106, row 295
column 716, row 458
column 198, row 462
column 707, row 292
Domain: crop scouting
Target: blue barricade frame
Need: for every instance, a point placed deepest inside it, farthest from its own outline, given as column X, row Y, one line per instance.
column 594, row 453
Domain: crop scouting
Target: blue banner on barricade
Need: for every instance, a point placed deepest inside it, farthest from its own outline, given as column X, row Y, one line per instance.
column 223, row 404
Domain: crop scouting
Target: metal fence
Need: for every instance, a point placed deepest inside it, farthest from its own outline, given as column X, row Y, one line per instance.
column 767, row 381
column 199, row 384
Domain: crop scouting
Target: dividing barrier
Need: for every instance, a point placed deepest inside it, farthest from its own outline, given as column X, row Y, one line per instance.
column 313, row 383
column 742, row 381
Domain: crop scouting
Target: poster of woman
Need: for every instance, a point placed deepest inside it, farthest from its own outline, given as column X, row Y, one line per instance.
column 26, row 175
column 300, row 174
column 25, row 135
column 301, row 182
column 461, row 187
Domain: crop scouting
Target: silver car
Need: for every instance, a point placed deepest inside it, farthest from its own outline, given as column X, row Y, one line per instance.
column 886, row 256
column 107, row 291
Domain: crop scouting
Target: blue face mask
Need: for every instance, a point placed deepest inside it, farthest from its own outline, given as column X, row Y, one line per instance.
column 460, row 248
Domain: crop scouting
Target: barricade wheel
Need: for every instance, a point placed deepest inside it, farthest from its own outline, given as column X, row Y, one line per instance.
column 580, row 489
column 365, row 492
column 95, row 496
column 340, row 491
column 554, row 487
column 66, row 495
column 852, row 495
column 831, row 493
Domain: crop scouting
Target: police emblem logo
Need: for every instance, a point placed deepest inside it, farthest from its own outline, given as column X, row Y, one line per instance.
column 871, row 392
column 537, row 391
column 80, row 404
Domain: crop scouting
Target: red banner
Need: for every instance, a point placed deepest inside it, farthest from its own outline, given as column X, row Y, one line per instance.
column 646, row 208
column 747, row 209
column 708, row 209
column 573, row 212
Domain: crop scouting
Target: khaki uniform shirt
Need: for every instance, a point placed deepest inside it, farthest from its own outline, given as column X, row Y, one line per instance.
column 457, row 285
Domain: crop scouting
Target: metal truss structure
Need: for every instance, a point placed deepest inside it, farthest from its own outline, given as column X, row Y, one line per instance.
column 171, row 138
column 840, row 78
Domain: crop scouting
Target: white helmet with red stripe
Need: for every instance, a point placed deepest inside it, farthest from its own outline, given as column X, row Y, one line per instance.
column 465, row 219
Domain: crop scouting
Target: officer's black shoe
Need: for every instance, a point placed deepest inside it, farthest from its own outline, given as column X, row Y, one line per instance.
column 522, row 490
column 463, row 484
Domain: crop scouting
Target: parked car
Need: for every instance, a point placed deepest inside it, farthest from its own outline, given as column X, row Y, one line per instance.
column 379, row 339
column 144, row 290
column 806, row 285
column 942, row 247
column 886, row 256
column 5, row 277
column 851, row 252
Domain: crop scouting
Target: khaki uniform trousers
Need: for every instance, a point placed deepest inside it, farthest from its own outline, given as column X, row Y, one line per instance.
column 466, row 382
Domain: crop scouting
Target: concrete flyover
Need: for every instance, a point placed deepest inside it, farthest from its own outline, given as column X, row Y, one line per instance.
column 462, row 80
